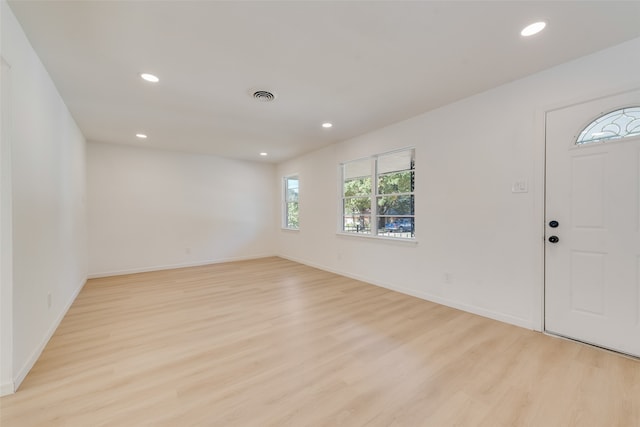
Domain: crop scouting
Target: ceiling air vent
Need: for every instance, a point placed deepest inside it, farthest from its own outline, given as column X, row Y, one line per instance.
column 264, row 96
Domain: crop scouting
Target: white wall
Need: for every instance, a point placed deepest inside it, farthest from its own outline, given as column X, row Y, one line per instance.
column 47, row 197
column 6, row 245
column 470, row 227
column 151, row 209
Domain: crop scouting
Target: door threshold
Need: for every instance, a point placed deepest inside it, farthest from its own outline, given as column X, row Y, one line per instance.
column 608, row 350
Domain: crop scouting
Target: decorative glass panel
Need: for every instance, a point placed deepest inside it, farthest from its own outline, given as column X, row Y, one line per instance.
column 617, row 124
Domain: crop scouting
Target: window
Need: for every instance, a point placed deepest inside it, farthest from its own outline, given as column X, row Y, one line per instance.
column 291, row 193
column 356, row 196
column 378, row 195
column 617, row 124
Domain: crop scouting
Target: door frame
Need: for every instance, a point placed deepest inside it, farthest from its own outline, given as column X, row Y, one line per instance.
column 540, row 179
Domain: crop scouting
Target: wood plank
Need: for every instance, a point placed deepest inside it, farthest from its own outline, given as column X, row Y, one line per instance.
column 271, row 342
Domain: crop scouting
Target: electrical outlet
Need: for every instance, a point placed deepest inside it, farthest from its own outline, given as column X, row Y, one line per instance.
column 187, row 251
column 448, row 278
column 520, row 187
column 49, row 300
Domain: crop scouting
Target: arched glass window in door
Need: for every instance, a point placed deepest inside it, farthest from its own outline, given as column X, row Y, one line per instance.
column 617, row 124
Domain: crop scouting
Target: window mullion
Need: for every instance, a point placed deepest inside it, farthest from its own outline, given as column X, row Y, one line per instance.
column 374, row 196
column 285, row 206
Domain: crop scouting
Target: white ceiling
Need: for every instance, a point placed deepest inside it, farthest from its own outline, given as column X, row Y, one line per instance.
column 359, row 64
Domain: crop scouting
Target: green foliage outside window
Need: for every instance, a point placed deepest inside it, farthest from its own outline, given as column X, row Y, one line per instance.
column 291, row 194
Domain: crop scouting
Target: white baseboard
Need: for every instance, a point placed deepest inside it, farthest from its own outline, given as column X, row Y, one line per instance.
column 173, row 266
column 505, row 318
column 35, row 355
column 7, row 388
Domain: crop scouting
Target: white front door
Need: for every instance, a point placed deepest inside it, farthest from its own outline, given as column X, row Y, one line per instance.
column 592, row 271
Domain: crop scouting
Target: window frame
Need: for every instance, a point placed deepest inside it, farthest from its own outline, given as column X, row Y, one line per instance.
column 374, row 215
column 285, row 202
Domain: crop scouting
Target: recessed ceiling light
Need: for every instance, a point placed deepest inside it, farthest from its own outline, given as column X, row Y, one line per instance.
column 326, row 125
column 150, row 77
column 263, row 154
column 532, row 29
column 141, row 135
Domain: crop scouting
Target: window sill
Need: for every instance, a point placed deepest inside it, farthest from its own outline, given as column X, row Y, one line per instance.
column 290, row 230
column 385, row 239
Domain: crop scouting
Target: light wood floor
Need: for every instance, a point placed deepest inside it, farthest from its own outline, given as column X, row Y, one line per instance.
column 273, row 343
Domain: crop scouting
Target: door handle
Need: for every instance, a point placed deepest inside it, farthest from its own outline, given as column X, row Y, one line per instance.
column 554, row 239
